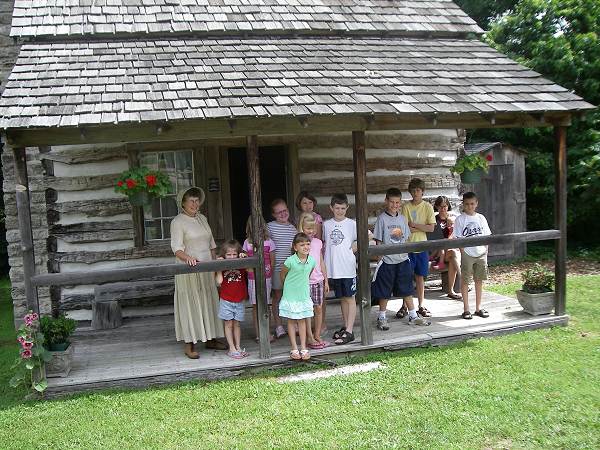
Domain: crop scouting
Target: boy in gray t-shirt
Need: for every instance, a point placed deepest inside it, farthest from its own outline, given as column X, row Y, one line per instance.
column 394, row 275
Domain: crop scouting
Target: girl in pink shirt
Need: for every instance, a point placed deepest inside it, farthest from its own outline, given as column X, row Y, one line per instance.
column 319, row 286
column 306, row 203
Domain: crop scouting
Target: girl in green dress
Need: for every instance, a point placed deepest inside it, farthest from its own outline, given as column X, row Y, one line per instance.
column 296, row 304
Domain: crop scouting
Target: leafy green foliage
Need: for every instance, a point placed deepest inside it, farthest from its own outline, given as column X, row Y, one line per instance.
column 470, row 163
column 143, row 179
column 537, row 279
column 561, row 40
column 57, row 330
column 484, row 12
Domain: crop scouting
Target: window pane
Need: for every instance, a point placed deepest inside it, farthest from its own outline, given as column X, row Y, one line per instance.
column 179, row 167
column 153, row 230
column 169, row 207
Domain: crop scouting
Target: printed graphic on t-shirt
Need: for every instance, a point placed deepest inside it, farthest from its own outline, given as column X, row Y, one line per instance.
column 396, row 235
column 233, row 276
column 472, row 229
column 336, row 236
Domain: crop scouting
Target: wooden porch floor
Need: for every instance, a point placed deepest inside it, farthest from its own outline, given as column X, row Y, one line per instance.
column 143, row 352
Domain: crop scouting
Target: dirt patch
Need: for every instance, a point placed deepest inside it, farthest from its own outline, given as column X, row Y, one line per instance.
column 512, row 273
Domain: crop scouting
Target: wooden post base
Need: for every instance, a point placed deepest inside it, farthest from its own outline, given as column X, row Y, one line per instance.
column 106, row 315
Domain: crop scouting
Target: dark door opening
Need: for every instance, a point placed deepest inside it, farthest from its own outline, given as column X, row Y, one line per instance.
column 272, row 184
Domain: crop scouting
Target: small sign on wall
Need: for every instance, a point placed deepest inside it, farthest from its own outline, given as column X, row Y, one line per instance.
column 214, row 185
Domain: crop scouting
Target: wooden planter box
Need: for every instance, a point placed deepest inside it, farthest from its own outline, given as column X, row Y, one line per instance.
column 60, row 364
column 536, row 304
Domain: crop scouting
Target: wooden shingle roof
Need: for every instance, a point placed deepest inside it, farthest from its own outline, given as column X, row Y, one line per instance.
column 51, row 18
column 83, row 83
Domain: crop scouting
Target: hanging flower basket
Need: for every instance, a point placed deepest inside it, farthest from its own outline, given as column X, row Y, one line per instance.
column 141, row 198
column 142, row 185
column 472, row 176
column 471, row 168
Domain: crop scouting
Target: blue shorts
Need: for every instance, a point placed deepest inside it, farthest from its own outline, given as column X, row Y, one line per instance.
column 343, row 287
column 419, row 263
column 231, row 310
column 392, row 280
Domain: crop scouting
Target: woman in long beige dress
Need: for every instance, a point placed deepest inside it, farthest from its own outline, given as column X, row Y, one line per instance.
column 196, row 298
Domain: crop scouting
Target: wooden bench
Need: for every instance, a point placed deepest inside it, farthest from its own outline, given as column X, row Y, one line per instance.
column 106, row 307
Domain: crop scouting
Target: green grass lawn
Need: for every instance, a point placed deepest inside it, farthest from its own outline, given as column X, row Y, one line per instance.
column 537, row 389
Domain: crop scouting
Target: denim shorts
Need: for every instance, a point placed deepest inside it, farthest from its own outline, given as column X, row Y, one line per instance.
column 231, row 310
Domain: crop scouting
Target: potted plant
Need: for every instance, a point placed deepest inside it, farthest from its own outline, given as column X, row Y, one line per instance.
column 471, row 167
column 537, row 294
column 57, row 332
column 142, row 184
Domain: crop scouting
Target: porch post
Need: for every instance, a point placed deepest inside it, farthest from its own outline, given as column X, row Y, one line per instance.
column 560, row 218
column 363, row 293
column 24, row 218
column 257, row 239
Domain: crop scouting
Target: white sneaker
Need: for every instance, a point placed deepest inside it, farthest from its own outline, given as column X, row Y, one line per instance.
column 418, row 320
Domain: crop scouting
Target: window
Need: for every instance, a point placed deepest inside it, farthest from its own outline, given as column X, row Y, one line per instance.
column 179, row 166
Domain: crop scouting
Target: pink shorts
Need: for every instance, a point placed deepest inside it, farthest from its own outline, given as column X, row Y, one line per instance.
column 252, row 292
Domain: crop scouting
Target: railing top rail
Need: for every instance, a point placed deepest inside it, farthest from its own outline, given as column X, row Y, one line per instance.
column 135, row 273
column 439, row 244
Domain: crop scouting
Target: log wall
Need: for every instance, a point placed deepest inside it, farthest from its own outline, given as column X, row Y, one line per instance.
column 80, row 223
column 393, row 158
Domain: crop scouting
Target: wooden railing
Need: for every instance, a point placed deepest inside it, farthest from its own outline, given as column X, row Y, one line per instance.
column 136, row 273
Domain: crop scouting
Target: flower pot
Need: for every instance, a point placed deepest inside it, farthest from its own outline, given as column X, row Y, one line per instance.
column 536, row 304
column 60, row 364
column 140, row 198
column 58, row 347
column 472, row 176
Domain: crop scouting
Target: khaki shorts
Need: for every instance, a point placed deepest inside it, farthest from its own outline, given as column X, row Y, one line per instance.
column 473, row 267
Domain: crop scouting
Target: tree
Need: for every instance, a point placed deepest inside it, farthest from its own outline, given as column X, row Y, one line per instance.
column 484, row 12
column 560, row 40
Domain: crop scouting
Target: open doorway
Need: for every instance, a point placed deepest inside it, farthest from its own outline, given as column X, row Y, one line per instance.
column 273, row 169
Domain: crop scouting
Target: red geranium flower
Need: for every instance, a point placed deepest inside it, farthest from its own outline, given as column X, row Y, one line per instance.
column 151, row 180
column 488, row 157
column 119, row 183
column 130, row 183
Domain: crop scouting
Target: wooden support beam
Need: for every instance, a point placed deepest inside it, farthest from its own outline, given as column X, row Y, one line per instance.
column 137, row 212
column 139, row 272
column 258, row 242
column 24, row 218
column 442, row 244
column 363, row 292
column 268, row 126
column 560, row 219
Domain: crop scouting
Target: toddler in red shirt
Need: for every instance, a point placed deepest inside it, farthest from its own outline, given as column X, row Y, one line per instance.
column 232, row 293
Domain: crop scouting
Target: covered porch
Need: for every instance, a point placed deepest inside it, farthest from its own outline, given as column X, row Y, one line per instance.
column 143, row 352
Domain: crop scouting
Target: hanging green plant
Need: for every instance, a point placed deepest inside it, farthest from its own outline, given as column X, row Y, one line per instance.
column 472, row 162
column 141, row 184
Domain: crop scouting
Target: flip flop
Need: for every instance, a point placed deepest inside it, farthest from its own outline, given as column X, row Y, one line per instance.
column 295, row 355
column 318, row 345
column 305, row 355
column 235, row 355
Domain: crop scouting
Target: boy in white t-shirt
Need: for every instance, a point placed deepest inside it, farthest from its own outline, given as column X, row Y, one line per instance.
column 473, row 259
column 340, row 236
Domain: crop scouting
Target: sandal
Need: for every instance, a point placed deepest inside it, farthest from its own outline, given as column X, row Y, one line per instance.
column 482, row 313
column 402, row 312
column 338, row 334
column 455, row 296
column 467, row 315
column 235, row 355
column 423, row 312
column 295, row 355
column 305, row 355
column 345, row 338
